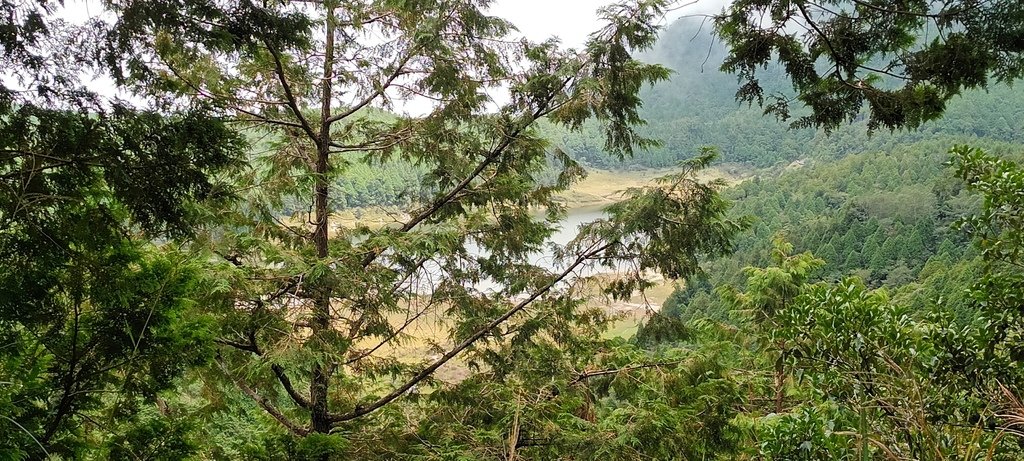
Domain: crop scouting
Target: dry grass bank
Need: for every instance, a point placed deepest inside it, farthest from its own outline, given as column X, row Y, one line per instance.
column 600, row 187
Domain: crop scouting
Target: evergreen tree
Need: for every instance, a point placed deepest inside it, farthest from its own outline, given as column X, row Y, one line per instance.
column 914, row 249
column 829, row 254
column 95, row 320
column 309, row 318
column 905, row 59
column 853, row 261
column 850, row 242
column 948, row 249
column 770, row 291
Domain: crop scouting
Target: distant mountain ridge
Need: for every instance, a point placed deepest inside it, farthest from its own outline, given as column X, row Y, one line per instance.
column 697, row 107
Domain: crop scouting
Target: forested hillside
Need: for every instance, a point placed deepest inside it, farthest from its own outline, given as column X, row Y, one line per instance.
column 885, row 216
column 697, row 107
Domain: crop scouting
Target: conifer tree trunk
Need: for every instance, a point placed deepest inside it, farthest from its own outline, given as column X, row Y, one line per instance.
column 321, row 322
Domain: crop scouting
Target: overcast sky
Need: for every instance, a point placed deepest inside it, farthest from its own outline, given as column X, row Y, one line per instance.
column 573, row 20
column 569, row 20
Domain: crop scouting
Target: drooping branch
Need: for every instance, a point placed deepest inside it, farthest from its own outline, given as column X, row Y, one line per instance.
column 278, row 370
column 398, row 331
column 381, row 89
column 245, row 347
column 937, row 16
column 298, row 398
column 359, row 411
column 58, row 162
column 838, row 59
column 543, row 109
column 293, row 102
column 199, row 91
column 821, row 34
column 614, row 371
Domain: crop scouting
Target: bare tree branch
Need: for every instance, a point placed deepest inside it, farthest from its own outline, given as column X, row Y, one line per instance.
column 263, row 402
column 293, row 103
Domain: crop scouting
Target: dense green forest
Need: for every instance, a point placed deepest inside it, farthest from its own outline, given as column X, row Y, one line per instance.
column 887, row 217
column 173, row 284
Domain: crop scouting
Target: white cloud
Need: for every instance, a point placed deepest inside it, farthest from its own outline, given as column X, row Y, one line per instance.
column 569, row 20
column 573, row 20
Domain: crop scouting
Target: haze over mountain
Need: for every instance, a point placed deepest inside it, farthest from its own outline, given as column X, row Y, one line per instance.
column 697, row 107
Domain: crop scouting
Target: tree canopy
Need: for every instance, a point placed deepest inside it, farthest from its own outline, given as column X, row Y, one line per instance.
column 88, row 309
column 308, row 304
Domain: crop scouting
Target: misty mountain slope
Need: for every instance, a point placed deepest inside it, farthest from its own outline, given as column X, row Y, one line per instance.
column 697, row 107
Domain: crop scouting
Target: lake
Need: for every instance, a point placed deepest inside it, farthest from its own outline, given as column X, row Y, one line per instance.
column 567, row 230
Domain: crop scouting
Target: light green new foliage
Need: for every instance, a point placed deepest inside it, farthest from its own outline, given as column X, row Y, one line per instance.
column 858, row 376
column 772, row 289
